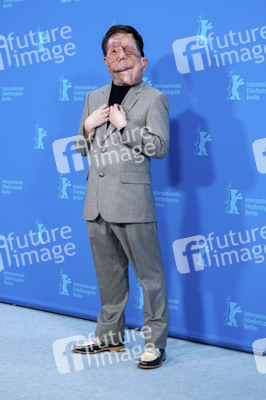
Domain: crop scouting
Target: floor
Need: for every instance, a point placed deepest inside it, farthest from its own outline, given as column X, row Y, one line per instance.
column 37, row 363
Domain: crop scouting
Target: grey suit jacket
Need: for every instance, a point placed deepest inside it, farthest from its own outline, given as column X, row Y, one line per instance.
column 119, row 177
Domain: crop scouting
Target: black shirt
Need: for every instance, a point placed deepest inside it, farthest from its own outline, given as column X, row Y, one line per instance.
column 117, row 94
column 116, row 97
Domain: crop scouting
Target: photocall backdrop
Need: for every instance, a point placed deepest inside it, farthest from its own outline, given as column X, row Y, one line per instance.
column 210, row 190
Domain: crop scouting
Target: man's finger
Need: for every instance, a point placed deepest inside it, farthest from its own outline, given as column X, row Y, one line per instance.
column 103, row 106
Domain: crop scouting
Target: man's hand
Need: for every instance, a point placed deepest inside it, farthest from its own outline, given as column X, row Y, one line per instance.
column 95, row 119
column 117, row 116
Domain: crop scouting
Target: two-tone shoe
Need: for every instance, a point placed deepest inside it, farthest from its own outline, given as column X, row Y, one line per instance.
column 152, row 358
column 95, row 345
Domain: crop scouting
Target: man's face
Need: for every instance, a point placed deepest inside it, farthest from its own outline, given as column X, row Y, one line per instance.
column 123, row 59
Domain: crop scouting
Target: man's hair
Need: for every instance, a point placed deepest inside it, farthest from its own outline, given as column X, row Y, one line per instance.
column 125, row 29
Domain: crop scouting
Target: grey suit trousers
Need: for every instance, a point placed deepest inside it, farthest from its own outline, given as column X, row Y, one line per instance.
column 113, row 245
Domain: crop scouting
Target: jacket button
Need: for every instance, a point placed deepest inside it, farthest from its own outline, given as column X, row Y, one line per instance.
column 101, row 174
column 104, row 149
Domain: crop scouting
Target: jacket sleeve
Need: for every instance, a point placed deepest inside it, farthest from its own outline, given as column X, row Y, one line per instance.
column 152, row 139
column 81, row 144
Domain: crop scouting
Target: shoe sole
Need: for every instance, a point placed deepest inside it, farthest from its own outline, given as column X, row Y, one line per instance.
column 153, row 367
column 111, row 349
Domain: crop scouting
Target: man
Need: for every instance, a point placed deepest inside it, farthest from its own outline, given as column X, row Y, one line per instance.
column 124, row 124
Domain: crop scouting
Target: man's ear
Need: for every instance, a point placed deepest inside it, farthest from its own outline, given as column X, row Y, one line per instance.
column 144, row 63
column 104, row 60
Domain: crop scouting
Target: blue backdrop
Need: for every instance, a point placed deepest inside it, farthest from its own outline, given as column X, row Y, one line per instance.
column 209, row 58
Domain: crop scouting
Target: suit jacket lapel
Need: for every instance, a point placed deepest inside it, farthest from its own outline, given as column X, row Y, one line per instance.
column 128, row 102
column 103, row 99
column 132, row 97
